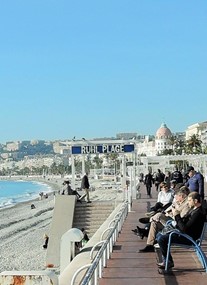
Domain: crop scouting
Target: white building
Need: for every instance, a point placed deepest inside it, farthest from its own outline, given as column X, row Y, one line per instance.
column 196, row 129
column 161, row 142
column 162, row 138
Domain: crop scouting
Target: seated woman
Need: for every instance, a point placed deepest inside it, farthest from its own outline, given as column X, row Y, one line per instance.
column 69, row 191
column 164, row 199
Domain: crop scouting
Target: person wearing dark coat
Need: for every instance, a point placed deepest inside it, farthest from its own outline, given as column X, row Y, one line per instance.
column 160, row 177
column 148, row 181
column 191, row 224
column 85, row 186
column 177, row 175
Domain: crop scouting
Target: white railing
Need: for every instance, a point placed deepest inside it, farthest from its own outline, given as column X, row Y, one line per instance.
column 95, row 269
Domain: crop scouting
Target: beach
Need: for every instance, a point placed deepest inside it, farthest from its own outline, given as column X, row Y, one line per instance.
column 22, row 229
column 21, row 233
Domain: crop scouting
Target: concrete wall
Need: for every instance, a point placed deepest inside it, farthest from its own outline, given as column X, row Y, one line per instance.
column 83, row 257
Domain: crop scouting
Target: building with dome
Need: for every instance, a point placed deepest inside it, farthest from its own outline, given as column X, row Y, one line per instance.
column 162, row 138
column 153, row 147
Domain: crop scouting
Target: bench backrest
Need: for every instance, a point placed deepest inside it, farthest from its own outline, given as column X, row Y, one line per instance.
column 203, row 234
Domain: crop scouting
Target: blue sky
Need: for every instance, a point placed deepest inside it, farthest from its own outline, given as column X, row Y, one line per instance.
column 96, row 68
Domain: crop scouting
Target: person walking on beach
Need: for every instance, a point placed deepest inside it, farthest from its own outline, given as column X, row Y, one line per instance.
column 46, row 238
column 85, row 186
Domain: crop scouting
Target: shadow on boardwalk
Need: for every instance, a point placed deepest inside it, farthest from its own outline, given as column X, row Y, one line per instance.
column 128, row 267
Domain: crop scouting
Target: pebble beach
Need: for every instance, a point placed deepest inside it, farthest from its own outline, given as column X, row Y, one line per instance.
column 22, row 230
column 21, row 233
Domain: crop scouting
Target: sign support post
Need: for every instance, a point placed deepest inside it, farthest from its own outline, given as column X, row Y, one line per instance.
column 73, row 171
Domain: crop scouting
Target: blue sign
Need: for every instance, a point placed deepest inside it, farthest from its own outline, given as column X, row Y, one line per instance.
column 105, row 148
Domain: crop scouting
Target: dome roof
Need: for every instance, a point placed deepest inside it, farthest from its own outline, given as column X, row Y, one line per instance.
column 163, row 132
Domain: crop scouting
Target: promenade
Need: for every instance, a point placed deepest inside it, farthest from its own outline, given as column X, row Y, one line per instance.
column 129, row 267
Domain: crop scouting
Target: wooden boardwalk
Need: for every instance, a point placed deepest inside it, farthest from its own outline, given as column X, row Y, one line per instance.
column 129, row 267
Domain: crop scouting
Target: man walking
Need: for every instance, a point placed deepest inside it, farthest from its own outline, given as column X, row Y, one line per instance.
column 148, row 181
column 85, row 186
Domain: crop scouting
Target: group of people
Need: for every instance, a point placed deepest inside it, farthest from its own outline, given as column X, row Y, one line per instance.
column 42, row 195
column 192, row 179
column 67, row 190
column 180, row 203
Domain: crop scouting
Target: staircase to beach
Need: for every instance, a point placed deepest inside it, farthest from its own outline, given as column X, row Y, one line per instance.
column 91, row 216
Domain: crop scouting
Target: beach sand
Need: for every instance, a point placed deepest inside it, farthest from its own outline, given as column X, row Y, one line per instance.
column 22, row 229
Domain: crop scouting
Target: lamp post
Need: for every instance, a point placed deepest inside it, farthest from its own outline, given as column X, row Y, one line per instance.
column 123, row 182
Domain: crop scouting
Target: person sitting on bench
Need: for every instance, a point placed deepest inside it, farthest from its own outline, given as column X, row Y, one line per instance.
column 158, row 221
column 191, row 224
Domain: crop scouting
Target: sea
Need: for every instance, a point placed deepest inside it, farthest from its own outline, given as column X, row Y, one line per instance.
column 13, row 192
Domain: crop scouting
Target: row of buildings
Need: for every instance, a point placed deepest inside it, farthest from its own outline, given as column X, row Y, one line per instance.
column 37, row 153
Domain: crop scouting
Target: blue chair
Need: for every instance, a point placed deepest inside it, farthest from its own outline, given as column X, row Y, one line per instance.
column 196, row 245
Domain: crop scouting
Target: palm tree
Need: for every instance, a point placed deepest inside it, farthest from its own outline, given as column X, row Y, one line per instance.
column 172, row 142
column 194, row 144
column 98, row 161
column 179, row 146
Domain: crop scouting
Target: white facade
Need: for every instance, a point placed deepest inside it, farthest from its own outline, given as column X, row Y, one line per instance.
column 146, row 147
column 196, row 129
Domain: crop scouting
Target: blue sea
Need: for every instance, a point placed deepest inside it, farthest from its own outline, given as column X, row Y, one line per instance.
column 13, row 192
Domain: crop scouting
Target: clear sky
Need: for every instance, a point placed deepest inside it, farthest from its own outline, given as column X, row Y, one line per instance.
column 96, row 68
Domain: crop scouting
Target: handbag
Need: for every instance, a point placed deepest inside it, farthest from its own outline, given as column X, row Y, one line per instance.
column 169, row 228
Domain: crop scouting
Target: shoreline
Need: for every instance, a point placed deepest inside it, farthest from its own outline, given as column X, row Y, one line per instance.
column 22, row 228
column 22, row 231
column 53, row 184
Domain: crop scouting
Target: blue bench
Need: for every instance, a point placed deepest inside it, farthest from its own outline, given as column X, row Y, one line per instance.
column 196, row 245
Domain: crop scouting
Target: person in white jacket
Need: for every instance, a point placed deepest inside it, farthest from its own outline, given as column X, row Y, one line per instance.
column 164, row 199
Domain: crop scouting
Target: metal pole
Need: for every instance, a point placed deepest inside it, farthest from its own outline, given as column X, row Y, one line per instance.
column 123, row 176
column 134, row 176
column 73, row 171
column 130, row 192
column 83, row 165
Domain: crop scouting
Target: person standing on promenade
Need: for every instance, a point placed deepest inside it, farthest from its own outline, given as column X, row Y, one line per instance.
column 168, row 178
column 85, row 186
column 160, row 177
column 177, row 175
column 195, row 182
column 148, row 181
